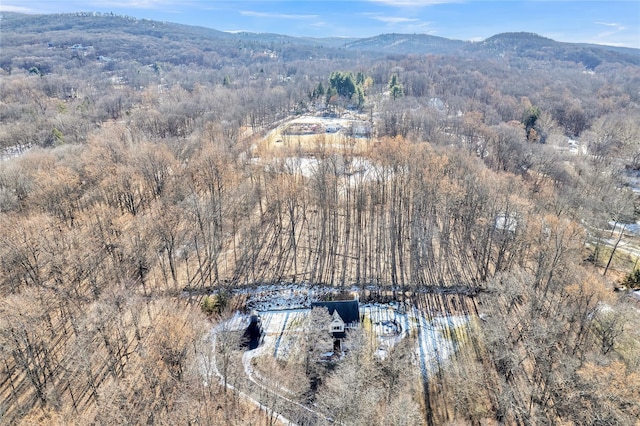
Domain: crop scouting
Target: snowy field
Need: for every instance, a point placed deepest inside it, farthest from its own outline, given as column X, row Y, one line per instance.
column 437, row 338
column 284, row 308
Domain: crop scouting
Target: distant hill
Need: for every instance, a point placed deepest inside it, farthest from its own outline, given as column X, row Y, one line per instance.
column 407, row 44
column 146, row 40
column 533, row 46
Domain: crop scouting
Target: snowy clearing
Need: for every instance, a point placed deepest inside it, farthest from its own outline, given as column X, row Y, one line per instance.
column 437, row 338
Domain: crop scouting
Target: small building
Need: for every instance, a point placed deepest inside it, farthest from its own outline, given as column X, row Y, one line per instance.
column 345, row 315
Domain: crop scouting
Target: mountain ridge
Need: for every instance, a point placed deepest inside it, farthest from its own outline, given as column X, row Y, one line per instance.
column 510, row 44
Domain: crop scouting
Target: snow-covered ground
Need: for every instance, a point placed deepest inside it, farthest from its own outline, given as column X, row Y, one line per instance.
column 437, row 338
column 356, row 170
column 633, row 180
column 283, row 309
column 13, row 151
column 286, row 296
column 633, row 228
column 325, row 121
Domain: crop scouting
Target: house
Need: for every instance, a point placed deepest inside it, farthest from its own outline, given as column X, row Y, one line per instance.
column 345, row 315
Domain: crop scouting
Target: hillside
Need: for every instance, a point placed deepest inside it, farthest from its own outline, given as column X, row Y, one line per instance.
column 130, row 38
column 533, row 46
column 408, row 44
column 124, row 38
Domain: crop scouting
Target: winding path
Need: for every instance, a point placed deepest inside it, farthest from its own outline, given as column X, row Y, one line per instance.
column 251, row 376
column 229, row 386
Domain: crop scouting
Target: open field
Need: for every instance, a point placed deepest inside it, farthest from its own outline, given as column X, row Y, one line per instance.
column 311, row 134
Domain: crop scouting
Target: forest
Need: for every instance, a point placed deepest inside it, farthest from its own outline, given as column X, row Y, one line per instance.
column 144, row 189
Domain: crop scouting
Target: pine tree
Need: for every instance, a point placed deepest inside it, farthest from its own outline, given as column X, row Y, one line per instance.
column 395, row 88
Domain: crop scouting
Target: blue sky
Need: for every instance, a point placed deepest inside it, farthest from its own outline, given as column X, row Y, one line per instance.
column 614, row 23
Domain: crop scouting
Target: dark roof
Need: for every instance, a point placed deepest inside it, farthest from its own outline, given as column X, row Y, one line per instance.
column 347, row 309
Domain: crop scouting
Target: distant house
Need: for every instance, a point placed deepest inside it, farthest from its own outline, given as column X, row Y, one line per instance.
column 345, row 315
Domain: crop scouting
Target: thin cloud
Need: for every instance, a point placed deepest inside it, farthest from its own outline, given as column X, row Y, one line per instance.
column 605, row 36
column 609, row 24
column 393, row 19
column 276, row 15
column 401, row 23
column 414, row 3
column 616, row 35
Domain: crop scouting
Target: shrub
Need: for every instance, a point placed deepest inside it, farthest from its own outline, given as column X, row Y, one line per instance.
column 633, row 279
column 214, row 304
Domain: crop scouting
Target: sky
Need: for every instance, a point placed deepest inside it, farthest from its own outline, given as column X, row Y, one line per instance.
column 615, row 23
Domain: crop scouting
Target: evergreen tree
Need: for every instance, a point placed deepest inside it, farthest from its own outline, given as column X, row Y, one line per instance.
column 343, row 83
column 359, row 97
column 396, row 89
